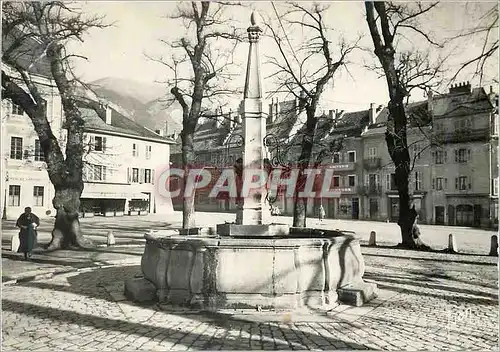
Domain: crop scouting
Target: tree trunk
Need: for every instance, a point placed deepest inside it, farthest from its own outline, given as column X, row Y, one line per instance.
column 300, row 206
column 300, row 212
column 188, row 158
column 398, row 150
column 67, row 233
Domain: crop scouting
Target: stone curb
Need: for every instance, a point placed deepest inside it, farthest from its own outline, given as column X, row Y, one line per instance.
column 50, row 275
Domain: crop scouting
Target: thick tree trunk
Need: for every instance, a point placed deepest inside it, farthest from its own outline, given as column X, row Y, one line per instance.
column 300, row 206
column 67, row 233
column 188, row 158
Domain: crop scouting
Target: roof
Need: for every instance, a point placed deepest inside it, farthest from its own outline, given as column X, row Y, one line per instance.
column 417, row 114
column 212, row 134
column 458, row 104
column 27, row 52
column 119, row 124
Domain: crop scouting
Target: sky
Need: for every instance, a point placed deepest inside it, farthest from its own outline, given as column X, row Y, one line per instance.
column 119, row 51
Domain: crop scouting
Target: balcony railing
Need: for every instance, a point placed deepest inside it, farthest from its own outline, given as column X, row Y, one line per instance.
column 463, row 135
column 372, row 163
column 370, row 190
column 342, row 166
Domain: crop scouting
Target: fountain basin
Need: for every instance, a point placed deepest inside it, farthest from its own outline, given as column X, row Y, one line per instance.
column 233, row 272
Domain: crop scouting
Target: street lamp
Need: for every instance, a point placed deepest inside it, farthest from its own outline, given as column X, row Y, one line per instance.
column 236, row 141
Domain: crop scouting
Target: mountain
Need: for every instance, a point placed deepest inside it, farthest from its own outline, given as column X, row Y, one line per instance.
column 142, row 101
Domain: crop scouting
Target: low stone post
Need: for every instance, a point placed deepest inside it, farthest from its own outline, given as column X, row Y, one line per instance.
column 373, row 239
column 111, row 239
column 452, row 244
column 14, row 243
column 494, row 246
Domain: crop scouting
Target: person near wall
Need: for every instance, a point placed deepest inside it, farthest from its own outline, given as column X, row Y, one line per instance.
column 321, row 213
column 27, row 223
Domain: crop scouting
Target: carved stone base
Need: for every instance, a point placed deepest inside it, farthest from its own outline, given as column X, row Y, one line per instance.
column 357, row 293
column 140, row 290
column 235, row 272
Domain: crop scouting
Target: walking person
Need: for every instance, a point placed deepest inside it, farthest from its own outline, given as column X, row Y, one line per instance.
column 321, row 213
column 27, row 223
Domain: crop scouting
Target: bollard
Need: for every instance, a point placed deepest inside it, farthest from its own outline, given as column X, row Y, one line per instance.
column 14, row 243
column 494, row 245
column 373, row 239
column 452, row 244
column 111, row 239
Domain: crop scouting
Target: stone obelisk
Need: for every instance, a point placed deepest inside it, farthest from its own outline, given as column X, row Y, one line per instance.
column 254, row 210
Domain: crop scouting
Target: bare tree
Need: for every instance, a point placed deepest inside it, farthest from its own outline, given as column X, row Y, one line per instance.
column 33, row 32
column 202, row 67
column 404, row 72
column 304, row 70
column 485, row 31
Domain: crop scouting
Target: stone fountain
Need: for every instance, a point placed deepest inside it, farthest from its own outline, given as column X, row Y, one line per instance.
column 253, row 263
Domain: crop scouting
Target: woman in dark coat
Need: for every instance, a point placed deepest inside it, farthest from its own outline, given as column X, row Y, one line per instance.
column 27, row 222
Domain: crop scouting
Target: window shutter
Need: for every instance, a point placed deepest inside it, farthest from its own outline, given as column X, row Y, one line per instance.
column 367, row 180
column 128, row 175
column 456, row 182
column 388, row 181
column 446, row 183
column 468, row 155
column 433, row 154
column 433, row 183
column 104, row 144
column 377, row 179
column 355, row 180
column 152, row 176
column 141, row 175
column 92, row 142
column 470, row 182
column 104, row 173
column 445, row 156
column 456, row 155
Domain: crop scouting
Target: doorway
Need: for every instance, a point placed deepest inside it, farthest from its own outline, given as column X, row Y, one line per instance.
column 355, row 208
column 451, row 215
column 394, row 211
column 439, row 215
column 149, row 201
column 373, row 208
column 478, row 209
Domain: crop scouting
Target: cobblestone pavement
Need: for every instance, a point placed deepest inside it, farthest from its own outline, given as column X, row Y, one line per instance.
column 438, row 302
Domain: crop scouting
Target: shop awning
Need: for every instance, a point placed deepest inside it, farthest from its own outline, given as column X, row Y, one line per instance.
column 111, row 191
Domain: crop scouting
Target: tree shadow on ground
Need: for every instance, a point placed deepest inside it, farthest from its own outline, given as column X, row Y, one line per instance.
column 93, row 284
column 417, row 282
column 433, row 259
column 49, row 261
column 364, row 243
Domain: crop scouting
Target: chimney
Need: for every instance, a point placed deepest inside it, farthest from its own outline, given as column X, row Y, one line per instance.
column 271, row 111
column 108, row 115
column 167, row 130
column 301, row 103
column 231, row 118
column 331, row 115
column 372, row 113
column 430, row 101
column 460, row 88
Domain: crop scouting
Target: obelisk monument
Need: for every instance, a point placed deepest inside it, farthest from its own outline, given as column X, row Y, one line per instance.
column 254, row 210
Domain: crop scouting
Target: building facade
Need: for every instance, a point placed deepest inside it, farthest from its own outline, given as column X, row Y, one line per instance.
column 453, row 146
column 122, row 161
